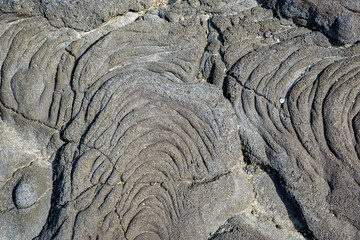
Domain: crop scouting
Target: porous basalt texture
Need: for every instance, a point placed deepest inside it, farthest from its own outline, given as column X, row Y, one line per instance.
column 184, row 119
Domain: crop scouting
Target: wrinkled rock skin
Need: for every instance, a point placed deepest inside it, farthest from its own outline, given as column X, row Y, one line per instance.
column 197, row 119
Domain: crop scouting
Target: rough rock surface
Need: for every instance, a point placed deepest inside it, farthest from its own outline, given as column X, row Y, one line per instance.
column 297, row 111
column 77, row 14
column 195, row 119
column 340, row 19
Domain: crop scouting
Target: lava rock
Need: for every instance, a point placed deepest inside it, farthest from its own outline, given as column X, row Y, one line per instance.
column 181, row 119
column 83, row 15
column 314, row 158
column 339, row 19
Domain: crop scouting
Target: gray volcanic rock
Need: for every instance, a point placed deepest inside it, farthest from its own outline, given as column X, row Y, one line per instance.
column 25, row 177
column 297, row 110
column 184, row 119
column 82, row 15
column 185, row 9
column 21, row 7
column 35, row 69
column 157, row 160
column 88, row 14
column 38, row 61
column 339, row 19
column 273, row 214
column 168, row 164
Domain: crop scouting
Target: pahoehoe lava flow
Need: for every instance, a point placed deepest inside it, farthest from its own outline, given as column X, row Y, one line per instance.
column 150, row 148
column 300, row 109
column 180, row 119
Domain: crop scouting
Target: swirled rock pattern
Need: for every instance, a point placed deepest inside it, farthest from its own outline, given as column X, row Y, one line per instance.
column 297, row 97
column 185, row 119
column 153, row 162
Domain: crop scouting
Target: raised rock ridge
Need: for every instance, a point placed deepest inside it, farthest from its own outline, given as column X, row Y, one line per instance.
column 195, row 119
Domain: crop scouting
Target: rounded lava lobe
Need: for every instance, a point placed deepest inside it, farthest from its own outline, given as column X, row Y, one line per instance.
column 338, row 19
column 171, row 152
column 345, row 28
column 28, row 85
column 25, row 195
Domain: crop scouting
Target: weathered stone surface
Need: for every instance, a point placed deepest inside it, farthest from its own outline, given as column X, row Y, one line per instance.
column 340, row 19
column 185, row 119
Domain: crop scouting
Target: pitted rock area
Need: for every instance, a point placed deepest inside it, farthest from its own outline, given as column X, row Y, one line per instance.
column 179, row 119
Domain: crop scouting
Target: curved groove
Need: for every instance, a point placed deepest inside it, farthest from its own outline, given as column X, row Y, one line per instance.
column 159, row 138
column 298, row 98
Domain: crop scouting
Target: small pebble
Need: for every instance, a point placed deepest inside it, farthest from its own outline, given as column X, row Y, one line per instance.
column 25, row 195
column 267, row 34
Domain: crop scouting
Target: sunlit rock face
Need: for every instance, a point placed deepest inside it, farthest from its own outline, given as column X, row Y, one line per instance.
column 179, row 120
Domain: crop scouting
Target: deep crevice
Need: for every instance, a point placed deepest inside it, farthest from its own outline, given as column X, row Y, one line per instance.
column 292, row 206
